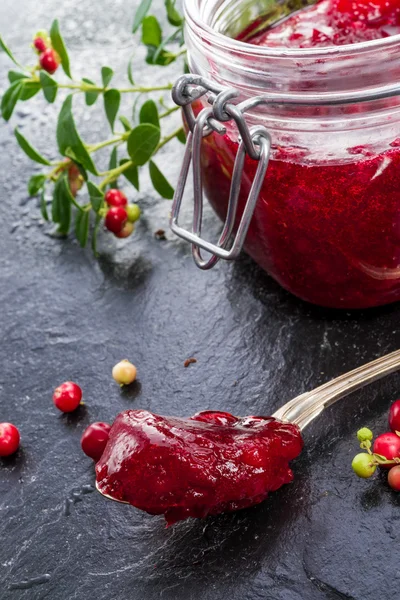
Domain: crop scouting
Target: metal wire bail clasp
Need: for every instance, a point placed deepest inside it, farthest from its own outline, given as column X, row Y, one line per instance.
column 254, row 141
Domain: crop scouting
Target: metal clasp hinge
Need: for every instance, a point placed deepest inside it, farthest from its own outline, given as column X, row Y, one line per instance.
column 254, row 141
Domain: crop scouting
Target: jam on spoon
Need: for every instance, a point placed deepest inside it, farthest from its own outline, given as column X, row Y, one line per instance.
column 213, row 461
column 204, row 465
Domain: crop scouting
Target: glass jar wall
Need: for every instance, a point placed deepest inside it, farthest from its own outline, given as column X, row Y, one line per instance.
column 327, row 222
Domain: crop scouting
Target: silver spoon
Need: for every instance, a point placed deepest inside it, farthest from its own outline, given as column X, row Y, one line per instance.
column 305, row 408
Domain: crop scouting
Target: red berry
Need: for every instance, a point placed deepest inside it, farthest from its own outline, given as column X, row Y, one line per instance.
column 67, row 397
column 116, row 198
column 49, row 60
column 75, row 179
column 388, row 445
column 116, row 219
column 126, row 231
column 39, row 44
column 94, row 439
column 394, row 416
column 73, row 172
column 394, row 478
column 9, row 439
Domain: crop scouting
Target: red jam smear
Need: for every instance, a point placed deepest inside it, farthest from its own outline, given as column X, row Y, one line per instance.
column 204, row 465
column 329, row 233
column 334, row 23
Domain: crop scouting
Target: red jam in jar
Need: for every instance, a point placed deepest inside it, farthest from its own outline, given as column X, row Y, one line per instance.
column 327, row 224
column 335, row 23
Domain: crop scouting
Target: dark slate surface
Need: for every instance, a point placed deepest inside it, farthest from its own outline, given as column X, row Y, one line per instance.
column 64, row 315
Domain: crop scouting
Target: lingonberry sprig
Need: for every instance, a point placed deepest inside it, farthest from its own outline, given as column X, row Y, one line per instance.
column 133, row 146
column 384, row 452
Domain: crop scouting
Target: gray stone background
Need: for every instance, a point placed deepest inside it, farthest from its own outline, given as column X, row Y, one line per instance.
column 65, row 315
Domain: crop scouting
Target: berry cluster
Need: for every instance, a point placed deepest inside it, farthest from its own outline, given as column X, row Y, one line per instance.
column 120, row 216
column 67, row 397
column 385, row 451
column 139, row 138
column 49, row 60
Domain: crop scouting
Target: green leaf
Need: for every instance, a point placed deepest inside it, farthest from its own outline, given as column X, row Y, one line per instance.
column 10, row 99
column 160, row 53
column 113, row 159
column 125, row 123
column 140, row 14
column 151, row 32
column 6, row 49
column 49, row 86
column 112, row 100
column 96, row 196
column 130, row 75
column 43, row 206
column 106, row 75
column 82, row 227
column 131, row 174
column 380, row 456
column 68, row 138
column 15, row 76
column 160, row 183
column 61, row 205
column 113, row 165
column 70, row 154
column 142, row 142
column 134, row 108
column 181, row 136
column 174, row 17
column 29, row 89
column 35, row 184
column 30, row 150
column 59, row 46
column 155, row 57
column 94, row 234
column 149, row 113
column 90, row 97
column 162, row 56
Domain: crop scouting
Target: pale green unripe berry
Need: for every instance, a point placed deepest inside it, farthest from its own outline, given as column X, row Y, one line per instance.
column 364, row 435
column 362, row 465
column 133, row 212
column 124, row 372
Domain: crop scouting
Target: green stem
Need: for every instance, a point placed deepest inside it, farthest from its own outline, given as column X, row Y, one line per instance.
column 114, row 174
column 87, row 87
column 144, row 90
column 181, row 52
column 58, row 169
column 95, row 147
column 168, row 138
column 169, row 111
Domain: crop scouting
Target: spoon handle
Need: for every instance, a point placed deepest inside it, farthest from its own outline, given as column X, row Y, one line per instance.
column 306, row 407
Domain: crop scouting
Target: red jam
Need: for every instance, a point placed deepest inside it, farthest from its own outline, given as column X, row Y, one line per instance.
column 335, row 23
column 329, row 232
column 204, row 465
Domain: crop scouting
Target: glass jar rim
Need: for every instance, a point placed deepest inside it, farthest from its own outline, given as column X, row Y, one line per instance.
column 193, row 17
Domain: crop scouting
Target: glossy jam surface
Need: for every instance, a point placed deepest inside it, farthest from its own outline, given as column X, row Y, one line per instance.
column 330, row 234
column 334, row 23
column 328, row 231
column 193, row 467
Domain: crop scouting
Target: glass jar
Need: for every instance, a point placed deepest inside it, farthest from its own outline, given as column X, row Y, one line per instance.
column 326, row 224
